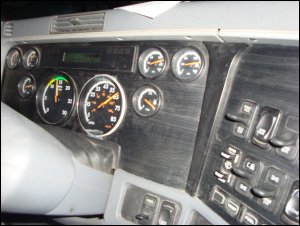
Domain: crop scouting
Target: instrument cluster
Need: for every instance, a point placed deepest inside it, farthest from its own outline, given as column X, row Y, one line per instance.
column 101, row 102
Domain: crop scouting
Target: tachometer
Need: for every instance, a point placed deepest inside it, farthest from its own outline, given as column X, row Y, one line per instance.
column 55, row 98
column 101, row 106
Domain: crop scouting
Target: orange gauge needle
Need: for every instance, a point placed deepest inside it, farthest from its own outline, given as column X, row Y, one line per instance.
column 156, row 62
column 56, row 92
column 109, row 99
column 191, row 63
column 150, row 104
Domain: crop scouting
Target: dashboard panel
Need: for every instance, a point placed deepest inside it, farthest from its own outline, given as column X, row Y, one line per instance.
column 191, row 117
column 208, row 118
column 169, row 131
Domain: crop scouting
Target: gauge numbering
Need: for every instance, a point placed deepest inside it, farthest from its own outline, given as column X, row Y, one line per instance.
column 56, row 98
column 101, row 106
column 152, row 63
column 147, row 100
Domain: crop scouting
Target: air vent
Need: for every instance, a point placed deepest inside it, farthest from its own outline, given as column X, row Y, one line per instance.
column 81, row 22
column 8, row 29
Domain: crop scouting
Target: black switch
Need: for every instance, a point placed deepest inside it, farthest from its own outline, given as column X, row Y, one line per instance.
column 167, row 213
column 287, row 141
column 238, row 118
column 148, row 210
column 241, row 173
column 263, row 191
column 291, row 210
column 266, row 127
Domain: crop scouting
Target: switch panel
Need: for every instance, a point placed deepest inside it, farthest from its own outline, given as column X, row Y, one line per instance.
column 266, row 127
column 236, row 209
column 259, row 116
column 142, row 207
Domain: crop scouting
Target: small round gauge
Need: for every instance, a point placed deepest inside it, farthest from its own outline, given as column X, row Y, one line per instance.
column 55, row 98
column 146, row 100
column 13, row 58
column 31, row 59
column 152, row 63
column 187, row 64
column 102, row 105
column 26, row 86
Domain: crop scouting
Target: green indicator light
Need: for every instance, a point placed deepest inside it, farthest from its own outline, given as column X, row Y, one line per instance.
column 58, row 77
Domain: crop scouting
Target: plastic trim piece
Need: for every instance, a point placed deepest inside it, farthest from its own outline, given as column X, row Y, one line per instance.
column 188, row 204
column 39, row 175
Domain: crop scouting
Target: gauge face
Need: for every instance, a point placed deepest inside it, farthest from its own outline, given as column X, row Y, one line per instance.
column 26, row 86
column 187, row 64
column 13, row 58
column 152, row 63
column 55, row 98
column 146, row 100
column 31, row 59
column 101, row 106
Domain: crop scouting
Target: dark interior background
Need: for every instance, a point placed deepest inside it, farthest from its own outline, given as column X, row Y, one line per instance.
column 16, row 10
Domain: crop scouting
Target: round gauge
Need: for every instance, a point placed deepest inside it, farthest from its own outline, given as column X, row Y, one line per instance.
column 187, row 64
column 56, row 98
column 101, row 106
column 31, row 59
column 146, row 100
column 26, row 86
column 152, row 63
column 13, row 58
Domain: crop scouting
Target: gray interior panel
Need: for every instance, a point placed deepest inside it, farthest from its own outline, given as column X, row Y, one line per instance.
column 36, row 26
column 188, row 204
column 210, row 15
column 195, row 20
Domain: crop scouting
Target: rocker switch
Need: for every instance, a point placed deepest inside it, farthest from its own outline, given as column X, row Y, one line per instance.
column 266, row 127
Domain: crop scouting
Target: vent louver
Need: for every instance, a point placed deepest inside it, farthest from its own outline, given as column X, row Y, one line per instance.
column 81, row 22
column 8, row 29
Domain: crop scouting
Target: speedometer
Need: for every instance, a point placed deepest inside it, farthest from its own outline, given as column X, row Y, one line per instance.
column 101, row 106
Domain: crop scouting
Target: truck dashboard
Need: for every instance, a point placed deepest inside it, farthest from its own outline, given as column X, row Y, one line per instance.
column 187, row 117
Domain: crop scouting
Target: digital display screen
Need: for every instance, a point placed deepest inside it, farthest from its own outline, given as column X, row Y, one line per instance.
column 93, row 57
column 73, row 57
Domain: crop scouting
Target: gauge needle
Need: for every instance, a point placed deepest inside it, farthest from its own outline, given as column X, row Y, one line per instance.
column 191, row 63
column 150, row 104
column 156, row 62
column 109, row 99
column 28, row 86
column 56, row 92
